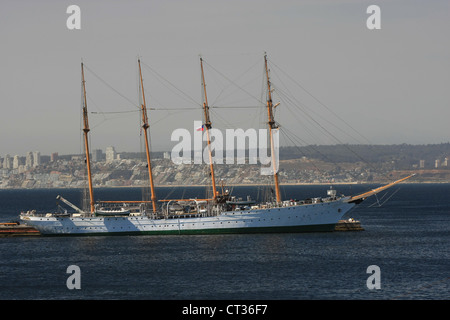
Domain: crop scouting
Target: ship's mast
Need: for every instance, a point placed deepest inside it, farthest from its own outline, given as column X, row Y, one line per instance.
column 272, row 126
column 86, row 141
column 145, row 126
column 207, row 126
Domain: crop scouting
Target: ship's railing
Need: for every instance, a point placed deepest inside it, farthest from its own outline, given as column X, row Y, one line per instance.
column 286, row 203
column 32, row 213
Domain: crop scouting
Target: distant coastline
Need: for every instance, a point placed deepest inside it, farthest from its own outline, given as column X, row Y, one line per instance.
column 309, row 165
column 235, row 185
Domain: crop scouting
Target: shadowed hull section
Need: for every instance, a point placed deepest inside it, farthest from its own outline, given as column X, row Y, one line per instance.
column 256, row 230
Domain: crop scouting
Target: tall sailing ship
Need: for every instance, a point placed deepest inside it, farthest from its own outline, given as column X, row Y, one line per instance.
column 221, row 213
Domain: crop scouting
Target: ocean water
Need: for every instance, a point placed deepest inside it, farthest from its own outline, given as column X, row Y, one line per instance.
column 407, row 238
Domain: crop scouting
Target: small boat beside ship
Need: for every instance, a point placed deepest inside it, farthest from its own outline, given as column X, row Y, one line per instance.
column 222, row 213
column 16, row 229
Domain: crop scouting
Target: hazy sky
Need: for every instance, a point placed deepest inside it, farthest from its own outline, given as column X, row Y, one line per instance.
column 390, row 85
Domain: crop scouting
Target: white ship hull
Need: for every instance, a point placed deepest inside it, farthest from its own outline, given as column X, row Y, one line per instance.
column 299, row 218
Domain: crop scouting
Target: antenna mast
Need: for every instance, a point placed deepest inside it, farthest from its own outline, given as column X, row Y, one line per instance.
column 86, row 142
column 145, row 126
column 272, row 126
column 207, row 126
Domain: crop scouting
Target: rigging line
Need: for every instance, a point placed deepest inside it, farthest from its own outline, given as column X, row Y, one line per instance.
column 111, row 87
column 225, row 121
column 281, row 92
column 95, row 104
column 155, row 122
column 170, row 193
column 300, row 120
column 104, row 118
column 321, row 103
column 390, row 196
column 306, row 125
column 153, row 109
column 304, row 154
column 235, row 107
column 378, row 200
column 290, row 133
column 177, row 109
column 294, row 135
column 113, row 112
column 171, row 84
column 307, row 115
column 380, row 204
column 245, row 72
column 220, row 73
column 298, row 104
column 340, row 142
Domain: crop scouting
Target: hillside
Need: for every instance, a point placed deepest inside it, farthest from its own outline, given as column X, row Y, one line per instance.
column 405, row 156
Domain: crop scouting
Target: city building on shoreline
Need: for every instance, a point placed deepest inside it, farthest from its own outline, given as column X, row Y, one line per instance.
column 112, row 169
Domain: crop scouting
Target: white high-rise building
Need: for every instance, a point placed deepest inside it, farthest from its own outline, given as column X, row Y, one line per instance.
column 29, row 160
column 437, row 163
column 36, row 158
column 16, row 162
column 7, row 162
column 97, row 155
column 110, row 154
column 422, row 164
